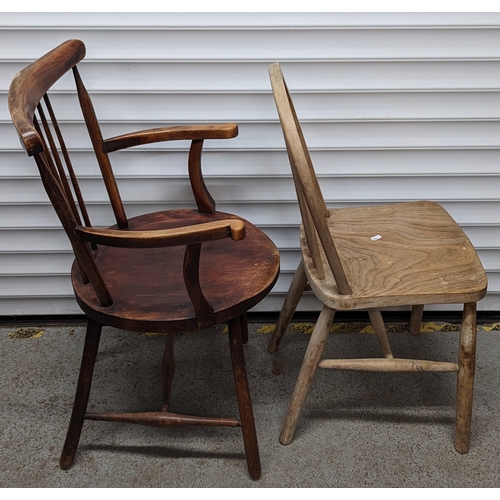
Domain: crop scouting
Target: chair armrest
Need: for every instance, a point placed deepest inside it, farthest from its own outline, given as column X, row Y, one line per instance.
column 197, row 134
column 186, row 235
column 187, row 132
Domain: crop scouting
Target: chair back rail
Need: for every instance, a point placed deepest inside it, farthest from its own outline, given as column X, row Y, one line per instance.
column 38, row 129
column 100, row 151
column 69, row 167
column 312, row 205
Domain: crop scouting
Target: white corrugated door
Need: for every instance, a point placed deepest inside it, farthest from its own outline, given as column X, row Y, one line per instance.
column 394, row 107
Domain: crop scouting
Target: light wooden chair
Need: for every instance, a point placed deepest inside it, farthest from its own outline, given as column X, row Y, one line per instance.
column 165, row 272
column 371, row 257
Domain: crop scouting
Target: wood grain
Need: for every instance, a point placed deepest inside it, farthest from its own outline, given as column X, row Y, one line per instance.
column 422, row 257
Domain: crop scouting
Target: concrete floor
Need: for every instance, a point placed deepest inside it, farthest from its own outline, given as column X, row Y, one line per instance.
column 356, row 430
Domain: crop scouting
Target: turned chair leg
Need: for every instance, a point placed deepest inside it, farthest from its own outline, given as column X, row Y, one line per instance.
column 417, row 313
column 379, row 327
column 465, row 378
column 292, row 299
column 243, row 398
column 168, row 369
column 82, row 394
column 310, row 363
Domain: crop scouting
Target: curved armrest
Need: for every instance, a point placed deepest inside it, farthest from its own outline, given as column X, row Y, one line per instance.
column 187, row 132
column 195, row 133
column 186, row 235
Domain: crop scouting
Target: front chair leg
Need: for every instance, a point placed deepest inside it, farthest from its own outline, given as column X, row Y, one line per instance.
column 310, row 363
column 92, row 339
column 292, row 299
column 465, row 378
column 243, row 397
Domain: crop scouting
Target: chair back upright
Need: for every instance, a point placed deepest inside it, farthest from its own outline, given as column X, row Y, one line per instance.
column 313, row 209
column 38, row 128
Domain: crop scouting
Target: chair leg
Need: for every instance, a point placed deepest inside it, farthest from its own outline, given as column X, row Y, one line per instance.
column 465, row 378
column 82, row 394
column 244, row 327
column 310, row 363
column 293, row 296
column 243, row 398
column 416, row 319
column 168, row 369
column 378, row 325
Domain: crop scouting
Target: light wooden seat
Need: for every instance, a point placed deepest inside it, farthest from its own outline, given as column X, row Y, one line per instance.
column 166, row 272
column 372, row 257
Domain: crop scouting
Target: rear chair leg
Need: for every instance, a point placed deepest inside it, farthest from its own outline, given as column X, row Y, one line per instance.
column 82, row 394
column 244, row 327
column 293, row 296
column 243, row 397
column 465, row 378
column 310, row 363
column 416, row 319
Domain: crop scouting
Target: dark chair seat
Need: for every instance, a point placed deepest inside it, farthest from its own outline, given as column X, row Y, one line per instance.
column 234, row 277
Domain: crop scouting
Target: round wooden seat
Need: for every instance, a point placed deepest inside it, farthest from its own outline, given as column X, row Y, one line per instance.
column 150, row 296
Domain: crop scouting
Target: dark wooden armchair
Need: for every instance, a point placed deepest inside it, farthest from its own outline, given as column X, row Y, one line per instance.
column 168, row 271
